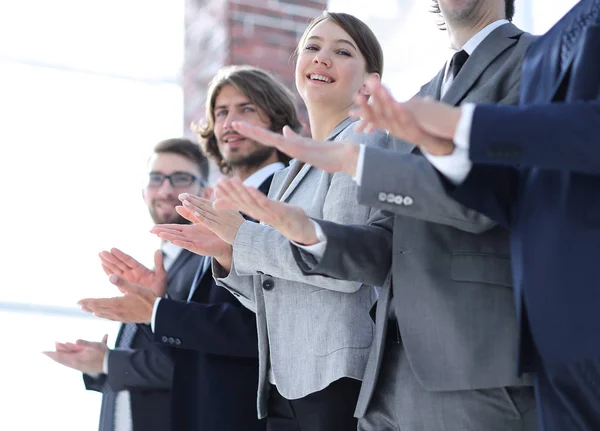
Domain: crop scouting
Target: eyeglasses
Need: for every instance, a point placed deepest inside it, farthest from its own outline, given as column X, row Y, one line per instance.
column 177, row 180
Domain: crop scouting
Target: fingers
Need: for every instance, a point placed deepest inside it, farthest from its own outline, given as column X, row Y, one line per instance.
column 105, row 339
column 107, row 308
column 186, row 213
column 84, row 343
column 125, row 258
column 259, row 134
column 111, row 264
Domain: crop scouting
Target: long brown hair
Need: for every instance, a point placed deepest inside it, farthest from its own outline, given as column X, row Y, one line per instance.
column 263, row 90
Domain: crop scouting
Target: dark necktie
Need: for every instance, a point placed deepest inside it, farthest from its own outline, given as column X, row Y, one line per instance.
column 457, row 62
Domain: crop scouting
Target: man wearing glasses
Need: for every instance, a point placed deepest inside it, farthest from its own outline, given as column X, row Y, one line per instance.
column 135, row 377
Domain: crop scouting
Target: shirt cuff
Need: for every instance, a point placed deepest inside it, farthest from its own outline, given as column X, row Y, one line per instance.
column 105, row 362
column 462, row 134
column 154, row 310
column 457, row 165
column 318, row 249
column 360, row 164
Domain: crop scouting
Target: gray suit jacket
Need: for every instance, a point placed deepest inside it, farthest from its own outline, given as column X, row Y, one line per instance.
column 312, row 330
column 450, row 267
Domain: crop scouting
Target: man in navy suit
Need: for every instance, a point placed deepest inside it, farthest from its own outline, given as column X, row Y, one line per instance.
column 535, row 169
column 212, row 336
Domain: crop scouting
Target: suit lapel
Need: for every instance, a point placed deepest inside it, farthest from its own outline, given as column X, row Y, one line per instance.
column 486, row 52
column 298, row 170
column 183, row 257
column 434, row 87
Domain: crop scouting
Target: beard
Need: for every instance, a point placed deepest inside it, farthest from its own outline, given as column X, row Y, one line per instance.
column 254, row 159
column 170, row 218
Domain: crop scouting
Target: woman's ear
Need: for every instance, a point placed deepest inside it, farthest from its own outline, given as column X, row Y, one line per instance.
column 364, row 90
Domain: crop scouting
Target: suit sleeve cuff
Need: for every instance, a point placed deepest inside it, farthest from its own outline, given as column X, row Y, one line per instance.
column 154, row 311
column 318, row 249
column 360, row 164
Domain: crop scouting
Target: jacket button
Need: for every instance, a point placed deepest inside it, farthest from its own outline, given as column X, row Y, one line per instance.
column 164, row 339
column 177, row 341
column 171, row 340
column 268, row 284
column 382, row 197
column 408, row 201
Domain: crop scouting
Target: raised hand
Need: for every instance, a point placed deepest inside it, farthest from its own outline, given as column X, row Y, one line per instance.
column 290, row 220
column 135, row 306
column 196, row 238
column 224, row 223
column 338, row 157
column 123, row 265
column 84, row 356
column 421, row 122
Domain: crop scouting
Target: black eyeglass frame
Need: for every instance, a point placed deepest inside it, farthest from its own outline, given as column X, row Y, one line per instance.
column 193, row 179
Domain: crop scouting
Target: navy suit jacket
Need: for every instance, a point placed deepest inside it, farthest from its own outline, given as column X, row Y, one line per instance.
column 537, row 171
column 215, row 357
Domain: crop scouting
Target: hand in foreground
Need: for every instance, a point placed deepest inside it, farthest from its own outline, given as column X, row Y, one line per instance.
column 123, row 265
column 135, row 306
column 338, row 157
column 84, row 356
column 196, row 238
column 290, row 220
column 224, row 223
column 422, row 122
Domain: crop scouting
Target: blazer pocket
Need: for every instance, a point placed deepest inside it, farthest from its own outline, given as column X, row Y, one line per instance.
column 482, row 268
column 338, row 321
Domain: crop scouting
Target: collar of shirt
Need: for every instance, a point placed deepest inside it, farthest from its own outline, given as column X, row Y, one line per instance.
column 258, row 177
column 474, row 42
column 171, row 253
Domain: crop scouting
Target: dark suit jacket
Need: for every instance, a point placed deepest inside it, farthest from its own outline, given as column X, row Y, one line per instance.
column 215, row 357
column 537, row 171
column 141, row 369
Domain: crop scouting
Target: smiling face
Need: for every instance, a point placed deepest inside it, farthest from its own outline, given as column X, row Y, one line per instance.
column 330, row 69
column 163, row 199
column 237, row 151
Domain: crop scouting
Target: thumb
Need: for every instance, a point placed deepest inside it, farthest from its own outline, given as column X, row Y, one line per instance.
column 105, row 339
column 159, row 262
column 124, row 286
column 288, row 132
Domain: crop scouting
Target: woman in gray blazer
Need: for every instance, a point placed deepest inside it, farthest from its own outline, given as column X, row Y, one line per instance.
column 314, row 332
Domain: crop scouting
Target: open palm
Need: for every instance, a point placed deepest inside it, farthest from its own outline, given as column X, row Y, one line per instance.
column 123, row 265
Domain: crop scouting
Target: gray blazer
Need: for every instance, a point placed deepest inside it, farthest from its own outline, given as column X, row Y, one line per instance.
column 312, row 330
column 450, row 267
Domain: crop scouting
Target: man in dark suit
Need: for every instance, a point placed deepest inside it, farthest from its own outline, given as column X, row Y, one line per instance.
column 536, row 169
column 134, row 378
column 214, row 341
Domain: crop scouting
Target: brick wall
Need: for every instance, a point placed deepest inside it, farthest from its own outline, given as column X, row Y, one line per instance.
column 262, row 33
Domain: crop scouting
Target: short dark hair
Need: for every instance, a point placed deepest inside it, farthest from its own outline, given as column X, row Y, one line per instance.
column 509, row 11
column 264, row 91
column 365, row 39
column 186, row 148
